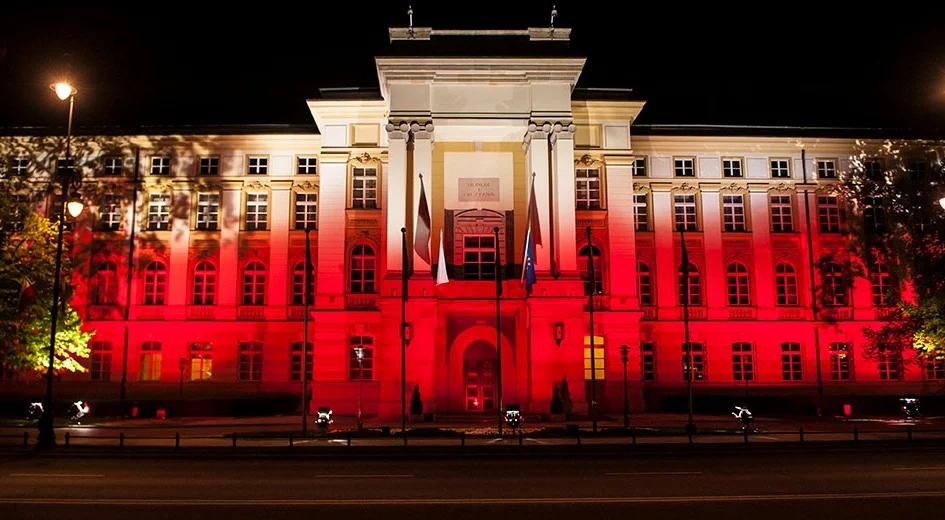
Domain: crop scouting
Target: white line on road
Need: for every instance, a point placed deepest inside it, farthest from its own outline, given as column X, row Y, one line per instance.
column 56, row 475
column 639, row 473
column 362, row 476
column 927, row 468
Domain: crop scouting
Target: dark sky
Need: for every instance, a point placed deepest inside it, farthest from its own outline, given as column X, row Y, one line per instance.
column 866, row 64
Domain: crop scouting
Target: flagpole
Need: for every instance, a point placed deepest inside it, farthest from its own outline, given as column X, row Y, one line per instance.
column 403, row 334
column 590, row 298
column 498, row 328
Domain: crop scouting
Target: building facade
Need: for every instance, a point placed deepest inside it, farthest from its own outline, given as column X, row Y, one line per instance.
column 217, row 294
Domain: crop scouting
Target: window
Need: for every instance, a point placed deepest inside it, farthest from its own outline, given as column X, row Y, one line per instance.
column 874, row 215
column 785, row 283
column 641, row 212
column 201, row 361
column 684, row 212
column 361, row 367
column 258, row 165
column 917, row 168
column 873, row 170
column 782, row 218
column 208, row 211
column 155, row 283
column 307, row 166
column 742, row 362
column 598, row 371
column 791, row 361
column 731, row 167
column 889, row 362
column 835, row 285
column 644, row 284
column 639, row 167
column 257, row 211
column 479, row 257
column 587, row 188
column 205, row 283
column 696, row 351
column 736, row 281
column 648, row 361
column 105, row 284
column 298, row 284
column 595, row 258
column 295, row 361
column 935, row 369
column 161, row 165
column 364, row 188
column 306, row 210
column 840, row 361
column 689, row 285
column 254, row 284
column 113, row 166
column 251, row 360
column 826, row 169
column 20, row 167
column 64, row 165
column 159, row 212
column 362, row 269
column 101, row 361
column 109, row 213
column 881, row 284
column 150, row 361
column 733, row 212
column 780, row 169
column 209, row 166
column 684, row 167
column 828, row 213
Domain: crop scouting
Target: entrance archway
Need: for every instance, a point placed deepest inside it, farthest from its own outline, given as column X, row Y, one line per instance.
column 479, row 377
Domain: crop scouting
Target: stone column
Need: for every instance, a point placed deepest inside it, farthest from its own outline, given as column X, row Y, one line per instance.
column 422, row 165
column 713, row 285
column 763, row 288
column 621, row 233
column 562, row 142
column 178, row 270
column 231, row 216
column 333, row 201
column 536, row 156
column 395, row 179
column 665, row 263
column 280, row 206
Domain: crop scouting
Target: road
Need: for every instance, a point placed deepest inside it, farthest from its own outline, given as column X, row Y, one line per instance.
column 665, row 482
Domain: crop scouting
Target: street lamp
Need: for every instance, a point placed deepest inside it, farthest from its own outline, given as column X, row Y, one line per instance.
column 68, row 179
column 941, row 202
column 624, row 357
column 359, row 354
column 690, row 425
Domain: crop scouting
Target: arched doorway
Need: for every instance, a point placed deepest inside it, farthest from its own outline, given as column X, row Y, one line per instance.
column 479, row 377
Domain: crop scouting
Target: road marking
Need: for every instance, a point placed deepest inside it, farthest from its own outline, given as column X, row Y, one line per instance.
column 360, row 502
column 927, row 468
column 57, row 475
column 362, row 476
column 639, row 473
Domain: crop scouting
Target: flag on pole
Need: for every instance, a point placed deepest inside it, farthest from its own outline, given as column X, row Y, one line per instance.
column 532, row 238
column 441, row 276
column 421, row 235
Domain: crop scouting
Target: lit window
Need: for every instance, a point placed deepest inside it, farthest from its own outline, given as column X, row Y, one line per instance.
column 828, row 213
column 155, row 283
column 684, row 212
column 363, row 269
column 150, row 361
column 780, row 169
column 364, row 188
column 840, row 361
column 479, row 257
column 258, row 165
column 109, row 213
column 101, row 361
column 209, row 166
column 826, row 169
column 684, row 167
column 257, row 211
column 731, row 167
column 733, row 212
column 791, row 361
column 361, row 367
column 742, row 362
column 254, row 284
column 201, row 361
column 159, row 212
column 639, row 167
column 205, row 283
column 644, row 284
column 306, row 210
column 782, row 218
column 251, row 361
column 598, row 371
column 208, row 211
column 105, row 284
column 737, row 283
column 641, row 212
column 785, row 282
column 595, row 259
column 690, row 285
column 307, row 166
column 587, row 188
column 697, row 353
column 161, row 165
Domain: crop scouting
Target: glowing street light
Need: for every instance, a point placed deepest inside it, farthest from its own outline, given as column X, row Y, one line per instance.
column 941, row 202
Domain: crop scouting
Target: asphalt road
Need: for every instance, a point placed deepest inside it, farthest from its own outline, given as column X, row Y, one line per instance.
column 766, row 482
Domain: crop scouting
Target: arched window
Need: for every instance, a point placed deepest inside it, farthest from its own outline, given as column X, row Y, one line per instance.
column 785, row 283
column 205, row 283
column 835, row 285
column 254, row 284
column 105, row 284
column 362, row 269
column 881, row 284
column 298, row 284
column 644, row 284
column 594, row 252
column 694, row 286
column 155, row 283
column 736, row 281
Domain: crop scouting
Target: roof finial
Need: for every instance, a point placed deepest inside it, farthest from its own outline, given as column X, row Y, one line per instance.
column 554, row 12
column 410, row 17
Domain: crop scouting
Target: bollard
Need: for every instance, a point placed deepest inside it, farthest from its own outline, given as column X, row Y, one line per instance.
column 405, row 439
column 348, row 434
column 745, row 432
column 462, row 439
column 177, row 440
column 801, row 432
column 577, row 436
column 856, row 433
column 26, row 439
column 67, row 439
column 909, row 433
column 521, row 438
column 234, row 439
column 121, row 440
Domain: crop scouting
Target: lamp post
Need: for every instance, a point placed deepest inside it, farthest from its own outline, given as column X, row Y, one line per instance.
column 592, row 289
column 68, row 179
column 359, row 354
column 690, row 425
column 624, row 357
column 182, row 364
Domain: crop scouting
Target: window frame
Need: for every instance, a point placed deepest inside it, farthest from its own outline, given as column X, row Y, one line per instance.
column 159, row 166
column 363, row 263
column 261, row 166
column 679, row 165
column 733, row 161
column 786, row 169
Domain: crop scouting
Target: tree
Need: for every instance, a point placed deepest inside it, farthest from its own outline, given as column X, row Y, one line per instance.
column 894, row 189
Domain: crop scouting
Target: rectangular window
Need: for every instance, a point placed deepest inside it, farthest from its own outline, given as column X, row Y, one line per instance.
column 890, row 360
column 307, row 166
column 361, row 358
column 201, row 361
column 208, row 211
column 258, row 165
column 874, row 215
column 101, row 361
column 209, row 166
column 364, row 188
column 684, row 212
column 698, row 361
column 150, row 361
column 648, row 361
column 826, row 169
column 732, row 168
column 733, row 212
column 840, row 361
column 873, row 170
column 742, row 362
column 641, row 212
column 780, row 169
column 598, row 371
column 159, row 212
column 295, row 362
column 109, row 213
column 791, row 361
column 112, row 166
column 935, row 369
column 684, row 167
column 782, row 214
column 306, row 210
column 587, row 188
column 639, row 167
column 20, row 167
column 257, row 211
column 251, row 361
column 828, row 213
column 161, row 165
column 479, row 257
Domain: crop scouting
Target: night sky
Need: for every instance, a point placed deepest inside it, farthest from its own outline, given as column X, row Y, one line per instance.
column 770, row 63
